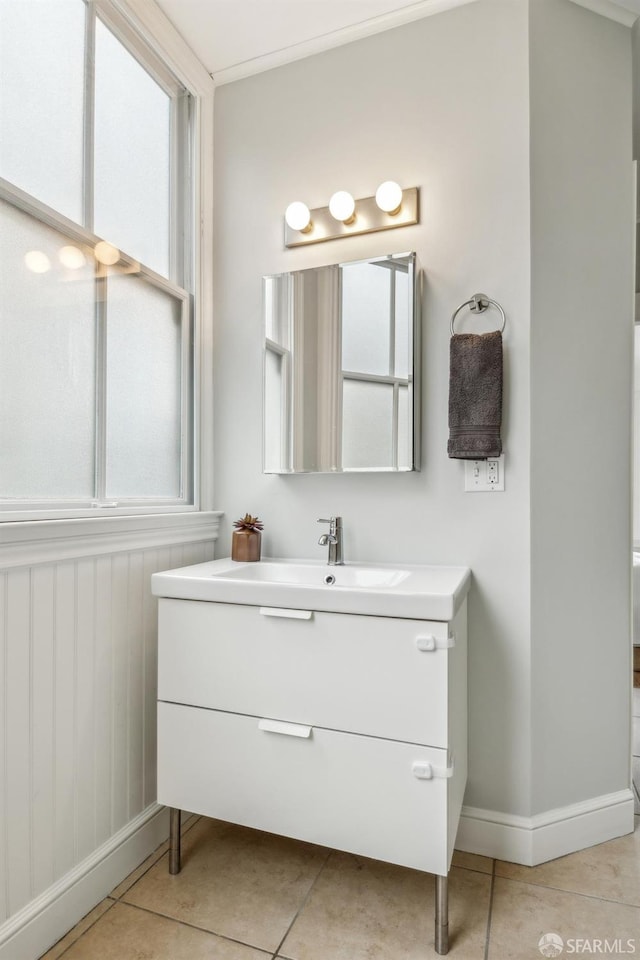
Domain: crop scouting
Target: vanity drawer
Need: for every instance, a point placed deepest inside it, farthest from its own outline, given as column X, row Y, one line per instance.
column 353, row 793
column 359, row 674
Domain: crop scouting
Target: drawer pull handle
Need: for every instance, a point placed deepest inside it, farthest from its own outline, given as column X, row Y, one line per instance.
column 429, row 643
column 288, row 729
column 282, row 612
column 424, row 770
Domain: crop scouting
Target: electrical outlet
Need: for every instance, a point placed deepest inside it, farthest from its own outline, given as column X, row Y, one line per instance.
column 484, row 476
column 493, row 473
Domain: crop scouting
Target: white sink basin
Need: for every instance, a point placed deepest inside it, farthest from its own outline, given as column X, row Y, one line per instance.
column 313, row 574
column 410, row 591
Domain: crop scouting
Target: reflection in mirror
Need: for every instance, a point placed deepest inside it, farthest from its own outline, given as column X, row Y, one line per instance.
column 340, row 359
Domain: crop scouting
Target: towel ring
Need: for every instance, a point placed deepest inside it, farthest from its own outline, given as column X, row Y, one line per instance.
column 478, row 303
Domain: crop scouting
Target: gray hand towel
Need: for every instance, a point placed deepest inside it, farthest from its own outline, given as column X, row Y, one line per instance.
column 475, row 396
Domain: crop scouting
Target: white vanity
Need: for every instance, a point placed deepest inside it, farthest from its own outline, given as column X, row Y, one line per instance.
column 334, row 713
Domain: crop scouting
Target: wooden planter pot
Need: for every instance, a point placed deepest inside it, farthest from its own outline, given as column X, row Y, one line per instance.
column 245, row 545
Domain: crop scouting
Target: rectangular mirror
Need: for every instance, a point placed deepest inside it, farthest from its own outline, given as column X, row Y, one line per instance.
column 341, row 357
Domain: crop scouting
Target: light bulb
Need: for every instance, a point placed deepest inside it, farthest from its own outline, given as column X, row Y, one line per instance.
column 342, row 206
column 106, row 253
column 71, row 257
column 298, row 217
column 389, row 196
column 37, row 261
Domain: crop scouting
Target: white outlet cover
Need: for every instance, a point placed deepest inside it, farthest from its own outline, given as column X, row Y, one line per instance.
column 476, row 478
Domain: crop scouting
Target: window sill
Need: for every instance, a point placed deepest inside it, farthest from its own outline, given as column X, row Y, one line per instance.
column 45, row 541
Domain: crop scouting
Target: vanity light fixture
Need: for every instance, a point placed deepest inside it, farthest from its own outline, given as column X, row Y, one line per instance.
column 389, row 197
column 345, row 217
column 342, row 207
column 298, row 217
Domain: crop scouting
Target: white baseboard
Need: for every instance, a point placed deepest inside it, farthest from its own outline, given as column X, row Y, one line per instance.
column 533, row 840
column 29, row 933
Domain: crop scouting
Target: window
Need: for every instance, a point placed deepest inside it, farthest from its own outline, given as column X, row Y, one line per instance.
column 96, row 325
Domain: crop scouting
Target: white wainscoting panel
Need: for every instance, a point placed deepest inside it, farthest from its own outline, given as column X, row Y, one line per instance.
column 78, row 661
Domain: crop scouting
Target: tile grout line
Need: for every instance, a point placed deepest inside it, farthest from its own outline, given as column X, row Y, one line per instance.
column 490, row 912
column 193, row 926
column 457, row 866
column 571, row 893
column 91, row 925
column 134, row 882
column 302, row 905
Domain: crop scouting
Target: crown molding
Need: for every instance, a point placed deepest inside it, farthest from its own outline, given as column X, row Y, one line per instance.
column 336, row 38
column 609, row 9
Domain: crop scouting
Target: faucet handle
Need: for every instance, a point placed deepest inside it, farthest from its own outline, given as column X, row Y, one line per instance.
column 335, row 524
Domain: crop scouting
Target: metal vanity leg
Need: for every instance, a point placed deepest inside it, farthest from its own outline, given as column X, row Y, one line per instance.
column 442, row 914
column 174, row 840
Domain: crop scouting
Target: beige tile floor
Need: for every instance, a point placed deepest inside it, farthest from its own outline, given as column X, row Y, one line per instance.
column 246, row 895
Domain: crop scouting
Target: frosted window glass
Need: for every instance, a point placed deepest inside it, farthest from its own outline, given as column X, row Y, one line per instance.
column 41, row 100
column 273, row 409
column 403, row 349
column 132, row 155
column 47, row 380
column 367, row 418
column 366, row 298
column 143, row 390
column 405, row 439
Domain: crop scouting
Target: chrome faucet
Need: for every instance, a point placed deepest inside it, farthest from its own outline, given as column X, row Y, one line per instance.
column 333, row 539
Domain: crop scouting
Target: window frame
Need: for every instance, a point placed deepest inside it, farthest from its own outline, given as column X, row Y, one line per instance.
column 192, row 90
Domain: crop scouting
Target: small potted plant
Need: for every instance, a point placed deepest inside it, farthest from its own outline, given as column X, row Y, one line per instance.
column 245, row 542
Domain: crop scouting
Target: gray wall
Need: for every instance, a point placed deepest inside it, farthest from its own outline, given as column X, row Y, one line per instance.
column 581, row 388
column 443, row 104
